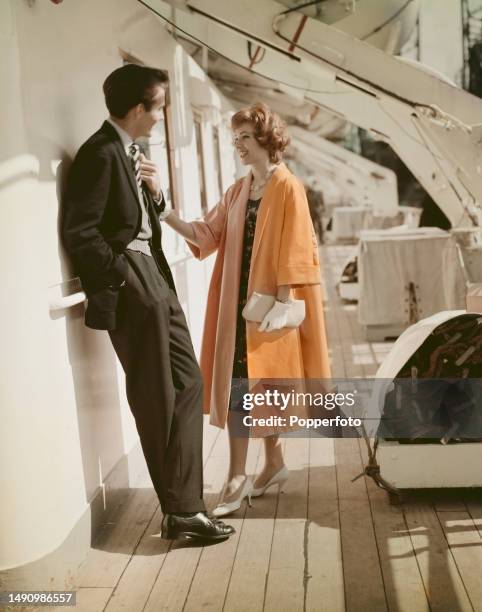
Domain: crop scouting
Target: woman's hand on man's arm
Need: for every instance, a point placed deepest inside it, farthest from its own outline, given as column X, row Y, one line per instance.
column 181, row 227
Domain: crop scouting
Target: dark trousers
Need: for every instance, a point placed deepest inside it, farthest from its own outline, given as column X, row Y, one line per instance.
column 164, row 384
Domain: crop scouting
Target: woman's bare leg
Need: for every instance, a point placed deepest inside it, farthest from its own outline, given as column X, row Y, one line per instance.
column 273, row 454
column 238, row 451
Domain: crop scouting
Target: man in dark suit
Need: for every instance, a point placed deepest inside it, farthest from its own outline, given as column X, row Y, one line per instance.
column 112, row 232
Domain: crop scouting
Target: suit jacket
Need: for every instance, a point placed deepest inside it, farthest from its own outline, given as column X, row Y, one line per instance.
column 101, row 216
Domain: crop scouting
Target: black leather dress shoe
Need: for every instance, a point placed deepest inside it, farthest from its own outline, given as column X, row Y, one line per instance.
column 197, row 526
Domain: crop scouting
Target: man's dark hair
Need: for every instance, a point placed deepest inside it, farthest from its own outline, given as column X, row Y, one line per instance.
column 131, row 85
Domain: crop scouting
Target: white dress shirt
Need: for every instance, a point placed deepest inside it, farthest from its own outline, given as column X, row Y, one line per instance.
column 145, row 233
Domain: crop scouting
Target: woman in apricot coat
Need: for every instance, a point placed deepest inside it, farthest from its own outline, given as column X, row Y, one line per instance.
column 284, row 254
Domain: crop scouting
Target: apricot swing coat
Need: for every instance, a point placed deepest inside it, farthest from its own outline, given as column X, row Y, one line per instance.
column 284, row 252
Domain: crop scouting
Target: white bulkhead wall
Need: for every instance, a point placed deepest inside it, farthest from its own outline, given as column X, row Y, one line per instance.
column 65, row 417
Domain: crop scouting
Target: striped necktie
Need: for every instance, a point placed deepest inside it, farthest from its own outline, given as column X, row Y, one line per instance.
column 135, row 157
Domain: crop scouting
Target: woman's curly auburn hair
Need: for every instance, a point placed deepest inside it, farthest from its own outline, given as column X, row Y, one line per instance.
column 269, row 128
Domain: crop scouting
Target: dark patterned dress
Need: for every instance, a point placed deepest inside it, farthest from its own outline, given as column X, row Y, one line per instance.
column 240, row 363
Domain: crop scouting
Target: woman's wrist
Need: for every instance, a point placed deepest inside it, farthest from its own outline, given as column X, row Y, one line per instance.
column 183, row 228
column 283, row 294
column 165, row 214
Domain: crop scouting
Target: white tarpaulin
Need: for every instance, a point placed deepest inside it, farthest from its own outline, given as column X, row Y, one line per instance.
column 348, row 221
column 407, row 274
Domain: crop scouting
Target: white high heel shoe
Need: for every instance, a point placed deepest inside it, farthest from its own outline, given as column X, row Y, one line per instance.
column 226, row 508
column 279, row 478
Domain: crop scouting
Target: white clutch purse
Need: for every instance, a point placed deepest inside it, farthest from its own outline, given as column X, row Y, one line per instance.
column 259, row 304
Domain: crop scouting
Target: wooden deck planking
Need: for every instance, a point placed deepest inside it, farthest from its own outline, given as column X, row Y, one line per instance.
column 87, row 600
column 90, row 599
column 285, row 588
column 387, row 589
column 246, row 590
column 113, row 549
column 326, row 543
column 475, row 510
column 444, row 586
column 134, row 586
column 403, row 574
column 212, row 577
column 333, row 327
column 324, row 580
column 466, row 548
column 364, row 588
column 173, row 582
column 403, row 583
column 449, row 505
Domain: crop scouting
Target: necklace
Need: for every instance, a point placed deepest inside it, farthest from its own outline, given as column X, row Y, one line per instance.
column 254, row 188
